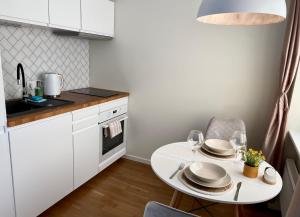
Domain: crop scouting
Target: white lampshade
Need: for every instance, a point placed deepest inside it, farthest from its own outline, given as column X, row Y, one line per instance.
column 242, row 12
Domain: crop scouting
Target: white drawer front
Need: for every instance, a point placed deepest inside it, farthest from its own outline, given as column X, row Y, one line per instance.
column 85, row 123
column 123, row 109
column 112, row 113
column 113, row 104
column 84, row 113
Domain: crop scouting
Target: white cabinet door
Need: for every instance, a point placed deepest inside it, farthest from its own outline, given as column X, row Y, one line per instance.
column 6, row 187
column 97, row 17
column 26, row 11
column 86, row 154
column 65, row 14
column 42, row 163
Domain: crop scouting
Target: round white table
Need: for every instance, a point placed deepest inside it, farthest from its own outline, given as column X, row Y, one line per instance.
column 165, row 161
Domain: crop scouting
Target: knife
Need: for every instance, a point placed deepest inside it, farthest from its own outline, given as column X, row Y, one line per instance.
column 238, row 186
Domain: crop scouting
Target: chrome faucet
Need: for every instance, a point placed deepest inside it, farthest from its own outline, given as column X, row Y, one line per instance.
column 20, row 69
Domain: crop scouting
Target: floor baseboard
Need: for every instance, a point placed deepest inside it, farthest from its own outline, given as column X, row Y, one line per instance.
column 137, row 159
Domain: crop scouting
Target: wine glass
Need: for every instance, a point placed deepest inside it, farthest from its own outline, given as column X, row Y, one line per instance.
column 196, row 139
column 239, row 141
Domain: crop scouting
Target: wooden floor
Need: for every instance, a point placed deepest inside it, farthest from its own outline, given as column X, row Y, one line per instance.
column 123, row 190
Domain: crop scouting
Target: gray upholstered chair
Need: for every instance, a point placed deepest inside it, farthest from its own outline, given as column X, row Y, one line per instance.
column 154, row 209
column 223, row 128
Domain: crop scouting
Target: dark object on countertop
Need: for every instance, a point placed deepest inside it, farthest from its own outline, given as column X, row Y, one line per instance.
column 52, row 103
column 38, row 99
column 95, row 92
column 20, row 69
column 19, row 107
column 39, row 89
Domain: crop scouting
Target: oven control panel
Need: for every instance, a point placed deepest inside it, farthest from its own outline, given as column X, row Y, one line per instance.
column 113, row 109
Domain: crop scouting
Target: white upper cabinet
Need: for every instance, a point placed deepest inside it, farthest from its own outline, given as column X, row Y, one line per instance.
column 25, row 11
column 97, row 17
column 65, row 14
column 86, row 16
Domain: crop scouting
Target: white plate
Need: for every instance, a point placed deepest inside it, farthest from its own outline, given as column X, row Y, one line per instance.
column 207, row 172
column 219, row 146
column 194, row 188
column 227, row 153
column 216, row 157
column 218, row 184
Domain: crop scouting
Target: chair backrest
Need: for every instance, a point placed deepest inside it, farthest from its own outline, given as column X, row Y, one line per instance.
column 154, row 209
column 223, row 128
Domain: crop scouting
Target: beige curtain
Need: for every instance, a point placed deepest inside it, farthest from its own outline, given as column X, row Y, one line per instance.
column 273, row 145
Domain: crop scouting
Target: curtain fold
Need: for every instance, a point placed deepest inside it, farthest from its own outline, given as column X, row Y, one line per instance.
column 274, row 140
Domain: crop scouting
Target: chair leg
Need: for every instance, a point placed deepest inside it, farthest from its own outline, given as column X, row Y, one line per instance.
column 176, row 199
column 201, row 206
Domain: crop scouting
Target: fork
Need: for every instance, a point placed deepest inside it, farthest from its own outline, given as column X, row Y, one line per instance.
column 181, row 166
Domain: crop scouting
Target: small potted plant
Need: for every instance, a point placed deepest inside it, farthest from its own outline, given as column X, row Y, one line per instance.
column 252, row 160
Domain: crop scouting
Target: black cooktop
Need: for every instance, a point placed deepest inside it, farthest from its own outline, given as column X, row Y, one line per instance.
column 95, row 92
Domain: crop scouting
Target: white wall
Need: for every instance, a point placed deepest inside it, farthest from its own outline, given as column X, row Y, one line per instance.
column 180, row 72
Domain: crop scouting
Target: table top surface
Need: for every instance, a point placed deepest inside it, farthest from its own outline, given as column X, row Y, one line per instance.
column 165, row 161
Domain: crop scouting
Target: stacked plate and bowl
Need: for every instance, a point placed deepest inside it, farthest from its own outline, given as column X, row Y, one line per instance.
column 218, row 148
column 205, row 177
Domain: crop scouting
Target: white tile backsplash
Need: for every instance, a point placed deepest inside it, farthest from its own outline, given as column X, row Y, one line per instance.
column 41, row 51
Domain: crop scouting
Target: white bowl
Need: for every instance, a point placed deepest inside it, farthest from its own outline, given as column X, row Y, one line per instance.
column 222, row 183
column 207, row 172
column 225, row 154
column 219, row 146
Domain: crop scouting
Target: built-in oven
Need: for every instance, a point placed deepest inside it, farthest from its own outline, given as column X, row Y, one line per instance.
column 112, row 148
column 108, row 143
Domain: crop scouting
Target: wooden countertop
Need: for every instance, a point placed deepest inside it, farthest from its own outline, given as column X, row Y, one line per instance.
column 80, row 101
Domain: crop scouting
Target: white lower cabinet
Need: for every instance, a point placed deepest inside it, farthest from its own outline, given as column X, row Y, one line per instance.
column 42, row 163
column 86, row 144
column 6, row 185
column 86, row 154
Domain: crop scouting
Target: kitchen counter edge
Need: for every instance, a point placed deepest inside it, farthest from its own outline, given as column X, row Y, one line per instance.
column 80, row 101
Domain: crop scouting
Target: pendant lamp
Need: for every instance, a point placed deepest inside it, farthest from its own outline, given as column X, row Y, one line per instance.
column 242, row 12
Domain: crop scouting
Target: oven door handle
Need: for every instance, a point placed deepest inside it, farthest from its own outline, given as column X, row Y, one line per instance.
column 122, row 119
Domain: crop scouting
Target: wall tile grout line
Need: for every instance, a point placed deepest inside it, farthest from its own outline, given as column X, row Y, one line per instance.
column 41, row 51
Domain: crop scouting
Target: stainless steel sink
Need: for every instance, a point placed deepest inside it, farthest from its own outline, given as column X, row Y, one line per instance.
column 21, row 107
